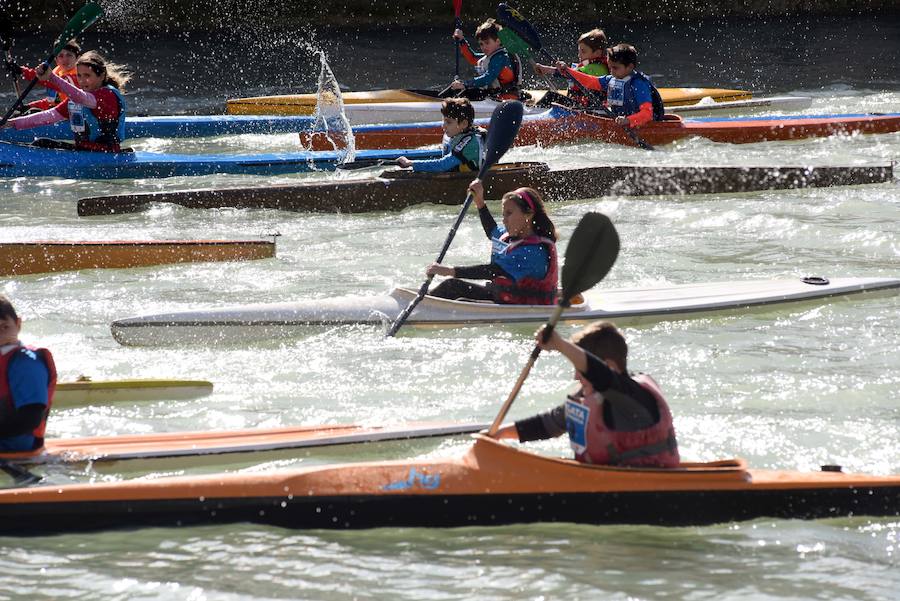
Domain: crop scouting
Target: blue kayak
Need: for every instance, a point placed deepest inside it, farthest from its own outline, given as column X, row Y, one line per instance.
column 177, row 126
column 20, row 160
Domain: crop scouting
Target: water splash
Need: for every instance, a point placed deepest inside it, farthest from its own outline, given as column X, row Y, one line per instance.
column 331, row 118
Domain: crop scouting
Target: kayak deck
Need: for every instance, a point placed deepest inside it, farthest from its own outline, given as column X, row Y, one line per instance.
column 489, row 484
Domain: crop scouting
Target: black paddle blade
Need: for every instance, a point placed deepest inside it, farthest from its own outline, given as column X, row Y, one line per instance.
column 83, row 19
column 591, row 253
column 512, row 18
column 505, row 123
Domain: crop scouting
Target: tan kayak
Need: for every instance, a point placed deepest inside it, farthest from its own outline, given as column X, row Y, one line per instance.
column 84, row 391
column 305, row 104
column 23, row 258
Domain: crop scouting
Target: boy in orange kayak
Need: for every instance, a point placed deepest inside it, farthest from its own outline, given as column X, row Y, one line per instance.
column 64, row 69
column 96, row 112
column 27, row 384
column 615, row 418
column 630, row 95
column 523, row 268
column 463, row 143
column 592, row 60
column 499, row 72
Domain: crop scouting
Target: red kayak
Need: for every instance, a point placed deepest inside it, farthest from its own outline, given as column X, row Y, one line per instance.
column 559, row 125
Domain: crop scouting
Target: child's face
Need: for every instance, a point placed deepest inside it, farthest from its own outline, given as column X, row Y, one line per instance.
column 585, row 53
column 516, row 221
column 587, row 389
column 620, row 71
column 453, row 126
column 66, row 59
column 88, row 80
column 489, row 45
column 9, row 330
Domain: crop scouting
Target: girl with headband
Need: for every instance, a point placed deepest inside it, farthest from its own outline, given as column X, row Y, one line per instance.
column 523, row 268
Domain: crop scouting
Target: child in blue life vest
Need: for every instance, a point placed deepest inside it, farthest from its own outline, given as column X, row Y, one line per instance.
column 463, row 143
column 630, row 95
column 96, row 111
column 499, row 72
column 27, row 384
column 615, row 418
column 523, row 268
column 592, row 60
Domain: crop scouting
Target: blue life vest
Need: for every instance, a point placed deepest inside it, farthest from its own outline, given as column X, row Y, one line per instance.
column 620, row 96
column 86, row 127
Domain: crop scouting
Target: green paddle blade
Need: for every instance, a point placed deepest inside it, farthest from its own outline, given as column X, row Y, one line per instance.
column 83, row 19
column 591, row 253
column 505, row 122
column 514, row 44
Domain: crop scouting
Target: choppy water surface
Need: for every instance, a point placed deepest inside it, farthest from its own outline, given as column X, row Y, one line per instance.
column 787, row 388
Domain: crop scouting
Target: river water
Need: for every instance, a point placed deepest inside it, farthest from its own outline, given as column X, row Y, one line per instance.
column 788, row 388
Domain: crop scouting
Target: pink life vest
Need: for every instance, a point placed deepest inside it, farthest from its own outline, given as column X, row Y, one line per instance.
column 6, row 394
column 594, row 443
column 529, row 291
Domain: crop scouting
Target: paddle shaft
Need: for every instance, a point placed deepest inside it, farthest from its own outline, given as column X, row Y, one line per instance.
column 423, row 290
column 501, row 415
column 19, row 474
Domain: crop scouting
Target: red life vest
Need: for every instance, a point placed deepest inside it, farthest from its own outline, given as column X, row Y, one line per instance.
column 652, row 447
column 529, row 291
column 6, row 394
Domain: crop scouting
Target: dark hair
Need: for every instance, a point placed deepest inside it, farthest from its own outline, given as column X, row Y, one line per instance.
column 541, row 224
column 459, row 109
column 113, row 74
column 603, row 339
column 595, row 39
column 488, row 30
column 6, row 309
column 624, row 54
column 73, row 46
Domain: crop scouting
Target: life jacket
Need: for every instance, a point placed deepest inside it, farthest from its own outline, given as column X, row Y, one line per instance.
column 528, row 291
column 508, row 84
column 469, row 148
column 620, row 96
column 93, row 133
column 597, row 68
column 593, row 442
column 6, row 394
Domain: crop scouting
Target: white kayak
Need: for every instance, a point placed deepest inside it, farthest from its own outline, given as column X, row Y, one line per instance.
column 625, row 306
column 414, row 112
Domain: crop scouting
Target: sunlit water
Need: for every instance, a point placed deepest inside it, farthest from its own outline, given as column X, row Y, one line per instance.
column 787, row 388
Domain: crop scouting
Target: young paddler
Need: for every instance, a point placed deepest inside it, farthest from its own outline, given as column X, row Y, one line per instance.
column 463, row 142
column 96, row 112
column 499, row 72
column 523, row 267
column 27, row 384
column 616, row 418
column 65, row 69
column 630, row 94
column 592, row 60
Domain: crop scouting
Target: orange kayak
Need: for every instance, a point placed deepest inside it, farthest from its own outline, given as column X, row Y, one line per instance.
column 22, row 258
column 559, row 125
column 491, row 483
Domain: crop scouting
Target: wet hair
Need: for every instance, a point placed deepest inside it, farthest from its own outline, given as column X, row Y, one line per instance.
column 595, row 39
column 7, row 309
column 459, row 109
column 530, row 202
column 113, row 74
column 489, row 30
column 73, row 46
column 624, row 54
column 603, row 339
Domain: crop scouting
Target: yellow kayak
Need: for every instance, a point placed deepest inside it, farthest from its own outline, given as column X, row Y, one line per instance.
column 305, row 104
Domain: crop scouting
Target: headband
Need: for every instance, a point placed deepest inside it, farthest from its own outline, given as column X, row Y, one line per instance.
column 525, row 195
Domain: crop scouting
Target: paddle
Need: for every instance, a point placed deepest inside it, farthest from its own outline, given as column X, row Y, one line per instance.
column 83, row 19
column 19, row 474
column 505, row 122
column 589, row 257
column 457, row 24
column 366, row 163
column 512, row 18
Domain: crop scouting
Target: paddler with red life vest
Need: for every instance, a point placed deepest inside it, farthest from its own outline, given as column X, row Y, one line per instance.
column 463, row 141
column 523, row 268
column 96, row 112
column 499, row 72
column 630, row 94
column 27, row 383
column 615, row 418
column 592, row 60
